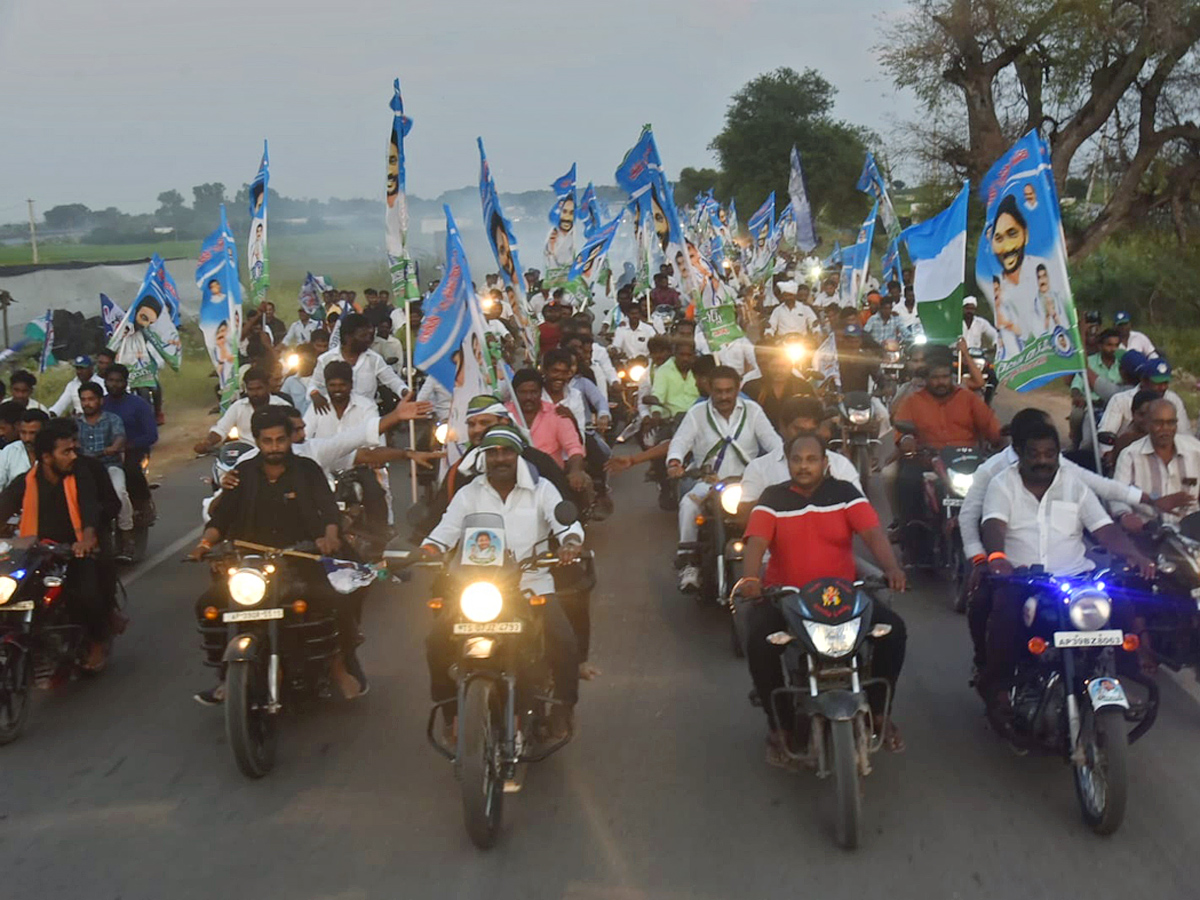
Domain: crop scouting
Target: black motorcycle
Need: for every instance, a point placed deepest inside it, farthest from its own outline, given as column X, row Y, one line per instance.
column 720, row 550
column 1066, row 698
column 504, row 692
column 1170, row 606
column 827, row 663
column 859, row 435
column 275, row 650
column 39, row 644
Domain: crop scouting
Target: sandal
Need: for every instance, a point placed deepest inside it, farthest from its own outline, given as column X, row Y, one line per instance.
column 893, row 740
column 777, row 755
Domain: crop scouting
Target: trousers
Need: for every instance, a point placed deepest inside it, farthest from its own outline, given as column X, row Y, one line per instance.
column 116, row 474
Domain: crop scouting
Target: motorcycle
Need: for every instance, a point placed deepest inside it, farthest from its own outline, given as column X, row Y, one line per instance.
column 1066, row 697
column 1170, row 606
column 225, row 460
column 825, row 655
column 625, row 409
column 664, row 317
column 504, row 686
column 859, row 432
column 653, row 429
column 39, row 644
column 720, row 550
column 891, row 368
column 275, row 651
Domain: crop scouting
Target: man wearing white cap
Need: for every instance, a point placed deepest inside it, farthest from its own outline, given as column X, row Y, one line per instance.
column 68, row 401
column 790, row 317
column 976, row 330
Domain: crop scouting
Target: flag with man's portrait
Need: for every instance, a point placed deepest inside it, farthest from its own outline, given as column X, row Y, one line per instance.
column 401, row 267
column 871, row 182
column 806, row 233
column 503, row 242
column 110, row 314
column 560, row 242
column 258, row 270
column 221, row 308
column 148, row 335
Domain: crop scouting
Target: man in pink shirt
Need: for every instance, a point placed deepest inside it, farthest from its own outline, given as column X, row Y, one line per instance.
column 551, row 430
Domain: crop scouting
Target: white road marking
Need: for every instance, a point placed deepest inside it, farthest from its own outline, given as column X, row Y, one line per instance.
column 162, row 555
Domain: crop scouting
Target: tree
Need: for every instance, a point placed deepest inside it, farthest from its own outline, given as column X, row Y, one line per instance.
column 171, row 209
column 692, row 182
column 764, row 120
column 207, row 203
column 1114, row 79
column 67, row 217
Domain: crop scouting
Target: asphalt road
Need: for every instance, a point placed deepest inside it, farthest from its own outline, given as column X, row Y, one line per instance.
column 122, row 787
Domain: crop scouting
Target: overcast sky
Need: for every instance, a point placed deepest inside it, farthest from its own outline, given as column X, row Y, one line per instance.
column 108, row 103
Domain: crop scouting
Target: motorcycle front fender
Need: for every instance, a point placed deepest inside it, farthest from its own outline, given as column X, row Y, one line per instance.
column 840, row 706
column 242, row 648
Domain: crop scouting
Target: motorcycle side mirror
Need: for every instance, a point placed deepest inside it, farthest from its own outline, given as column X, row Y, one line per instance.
column 1189, row 526
column 566, row 513
column 905, row 428
column 1107, row 438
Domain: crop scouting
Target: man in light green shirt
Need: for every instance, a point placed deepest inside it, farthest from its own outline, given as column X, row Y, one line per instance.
column 1106, row 364
column 674, row 382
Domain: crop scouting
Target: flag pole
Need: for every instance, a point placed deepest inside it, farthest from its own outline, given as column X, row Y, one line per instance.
column 408, row 372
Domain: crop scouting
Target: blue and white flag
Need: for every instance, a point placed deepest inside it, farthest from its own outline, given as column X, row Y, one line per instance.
column 834, row 259
column 891, row 262
column 46, row 359
column 856, row 262
column 871, row 182
column 110, row 315
column 763, row 220
column 347, row 576
column 258, row 270
column 589, row 210
column 404, row 279
column 641, row 175
column 806, row 233
column 938, row 247
column 447, row 315
column 504, row 247
column 312, row 293
column 588, row 261
column 560, row 242
column 221, row 307
column 149, row 334
column 734, row 226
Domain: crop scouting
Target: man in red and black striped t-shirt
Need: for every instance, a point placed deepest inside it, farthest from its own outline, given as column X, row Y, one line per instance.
column 809, row 524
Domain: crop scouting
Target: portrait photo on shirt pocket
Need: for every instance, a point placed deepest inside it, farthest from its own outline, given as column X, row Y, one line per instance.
column 1064, row 516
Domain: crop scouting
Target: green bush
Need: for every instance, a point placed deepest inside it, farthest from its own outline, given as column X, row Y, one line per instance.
column 1150, row 275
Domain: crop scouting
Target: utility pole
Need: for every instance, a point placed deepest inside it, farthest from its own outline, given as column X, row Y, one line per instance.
column 32, row 232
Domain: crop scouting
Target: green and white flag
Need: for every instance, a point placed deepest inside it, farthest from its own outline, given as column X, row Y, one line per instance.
column 938, row 247
column 720, row 325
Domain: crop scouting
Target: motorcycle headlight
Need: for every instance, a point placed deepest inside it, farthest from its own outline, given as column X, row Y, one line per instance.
column 859, row 416
column 441, row 432
column 247, row 587
column 481, row 601
column 833, row 640
column 1089, row 609
column 636, row 372
column 8, row 587
column 960, row 482
column 731, row 497
column 795, row 352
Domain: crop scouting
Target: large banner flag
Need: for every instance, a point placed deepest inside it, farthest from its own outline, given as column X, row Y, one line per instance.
column 871, row 182
column 806, row 232
column 447, row 315
column 148, row 336
column 404, row 277
column 312, row 294
column 856, row 262
column 257, row 264
column 1021, row 268
column 733, row 224
column 504, row 247
column 588, row 260
column 110, row 315
column 763, row 220
column 46, row 357
column 221, row 307
column 938, row 247
column 720, row 325
column 560, row 243
column 589, row 210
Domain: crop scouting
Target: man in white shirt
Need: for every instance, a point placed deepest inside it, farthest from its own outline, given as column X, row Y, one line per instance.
column 741, row 356
column 907, row 311
column 631, row 336
column 799, row 416
column 602, row 363
column 17, row 458
column 1163, row 464
column 1155, row 375
column 978, row 332
column 790, row 316
column 257, row 387
column 68, row 401
column 20, row 388
column 1035, row 513
column 301, row 330
column 724, row 434
column 370, row 369
column 1130, row 339
column 527, row 508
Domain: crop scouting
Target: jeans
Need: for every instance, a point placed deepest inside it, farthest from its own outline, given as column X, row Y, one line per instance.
column 116, row 474
column 562, row 653
column 763, row 619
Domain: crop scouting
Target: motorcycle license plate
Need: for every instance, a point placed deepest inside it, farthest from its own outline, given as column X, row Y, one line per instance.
column 488, row 627
column 23, row 606
column 1107, row 692
column 1109, row 638
column 952, row 502
column 252, row 615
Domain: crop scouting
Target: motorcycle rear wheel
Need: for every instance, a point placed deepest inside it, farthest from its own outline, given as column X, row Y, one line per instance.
column 16, row 680
column 479, row 779
column 1102, row 783
column 249, row 728
column 846, row 784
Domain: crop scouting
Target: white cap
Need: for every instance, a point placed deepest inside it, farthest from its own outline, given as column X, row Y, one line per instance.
column 970, row 301
column 787, row 287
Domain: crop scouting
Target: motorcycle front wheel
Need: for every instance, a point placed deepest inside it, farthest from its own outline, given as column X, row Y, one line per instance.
column 249, row 727
column 478, row 774
column 16, row 679
column 845, row 784
column 1101, row 782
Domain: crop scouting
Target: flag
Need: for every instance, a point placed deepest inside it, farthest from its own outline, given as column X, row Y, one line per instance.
column 856, row 262
column 221, row 307
column 446, row 317
column 763, row 219
column 312, row 294
column 871, row 182
column 504, row 247
column 404, row 279
column 46, row 359
column 347, row 576
column 825, row 360
column 834, row 259
column 588, row 260
column 146, row 338
column 891, row 262
column 1021, row 268
column 258, row 270
column 110, row 315
column 560, row 242
column 720, row 325
column 806, row 232
column 641, row 175
column 589, row 211
column 938, row 247
column 733, row 219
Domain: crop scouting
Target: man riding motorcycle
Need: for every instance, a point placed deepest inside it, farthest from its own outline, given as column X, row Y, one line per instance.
column 808, row 524
column 724, row 433
column 527, row 504
column 1165, row 465
column 799, row 415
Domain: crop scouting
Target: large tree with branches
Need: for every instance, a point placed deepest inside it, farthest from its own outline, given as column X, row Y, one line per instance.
column 1114, row 77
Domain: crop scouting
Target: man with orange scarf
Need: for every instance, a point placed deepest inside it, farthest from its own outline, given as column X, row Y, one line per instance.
column 58, row 502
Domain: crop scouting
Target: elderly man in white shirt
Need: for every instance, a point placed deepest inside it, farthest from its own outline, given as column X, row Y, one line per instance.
column 1163, row 464
column 723, row 433
column 790, row 316
column 68, row 400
